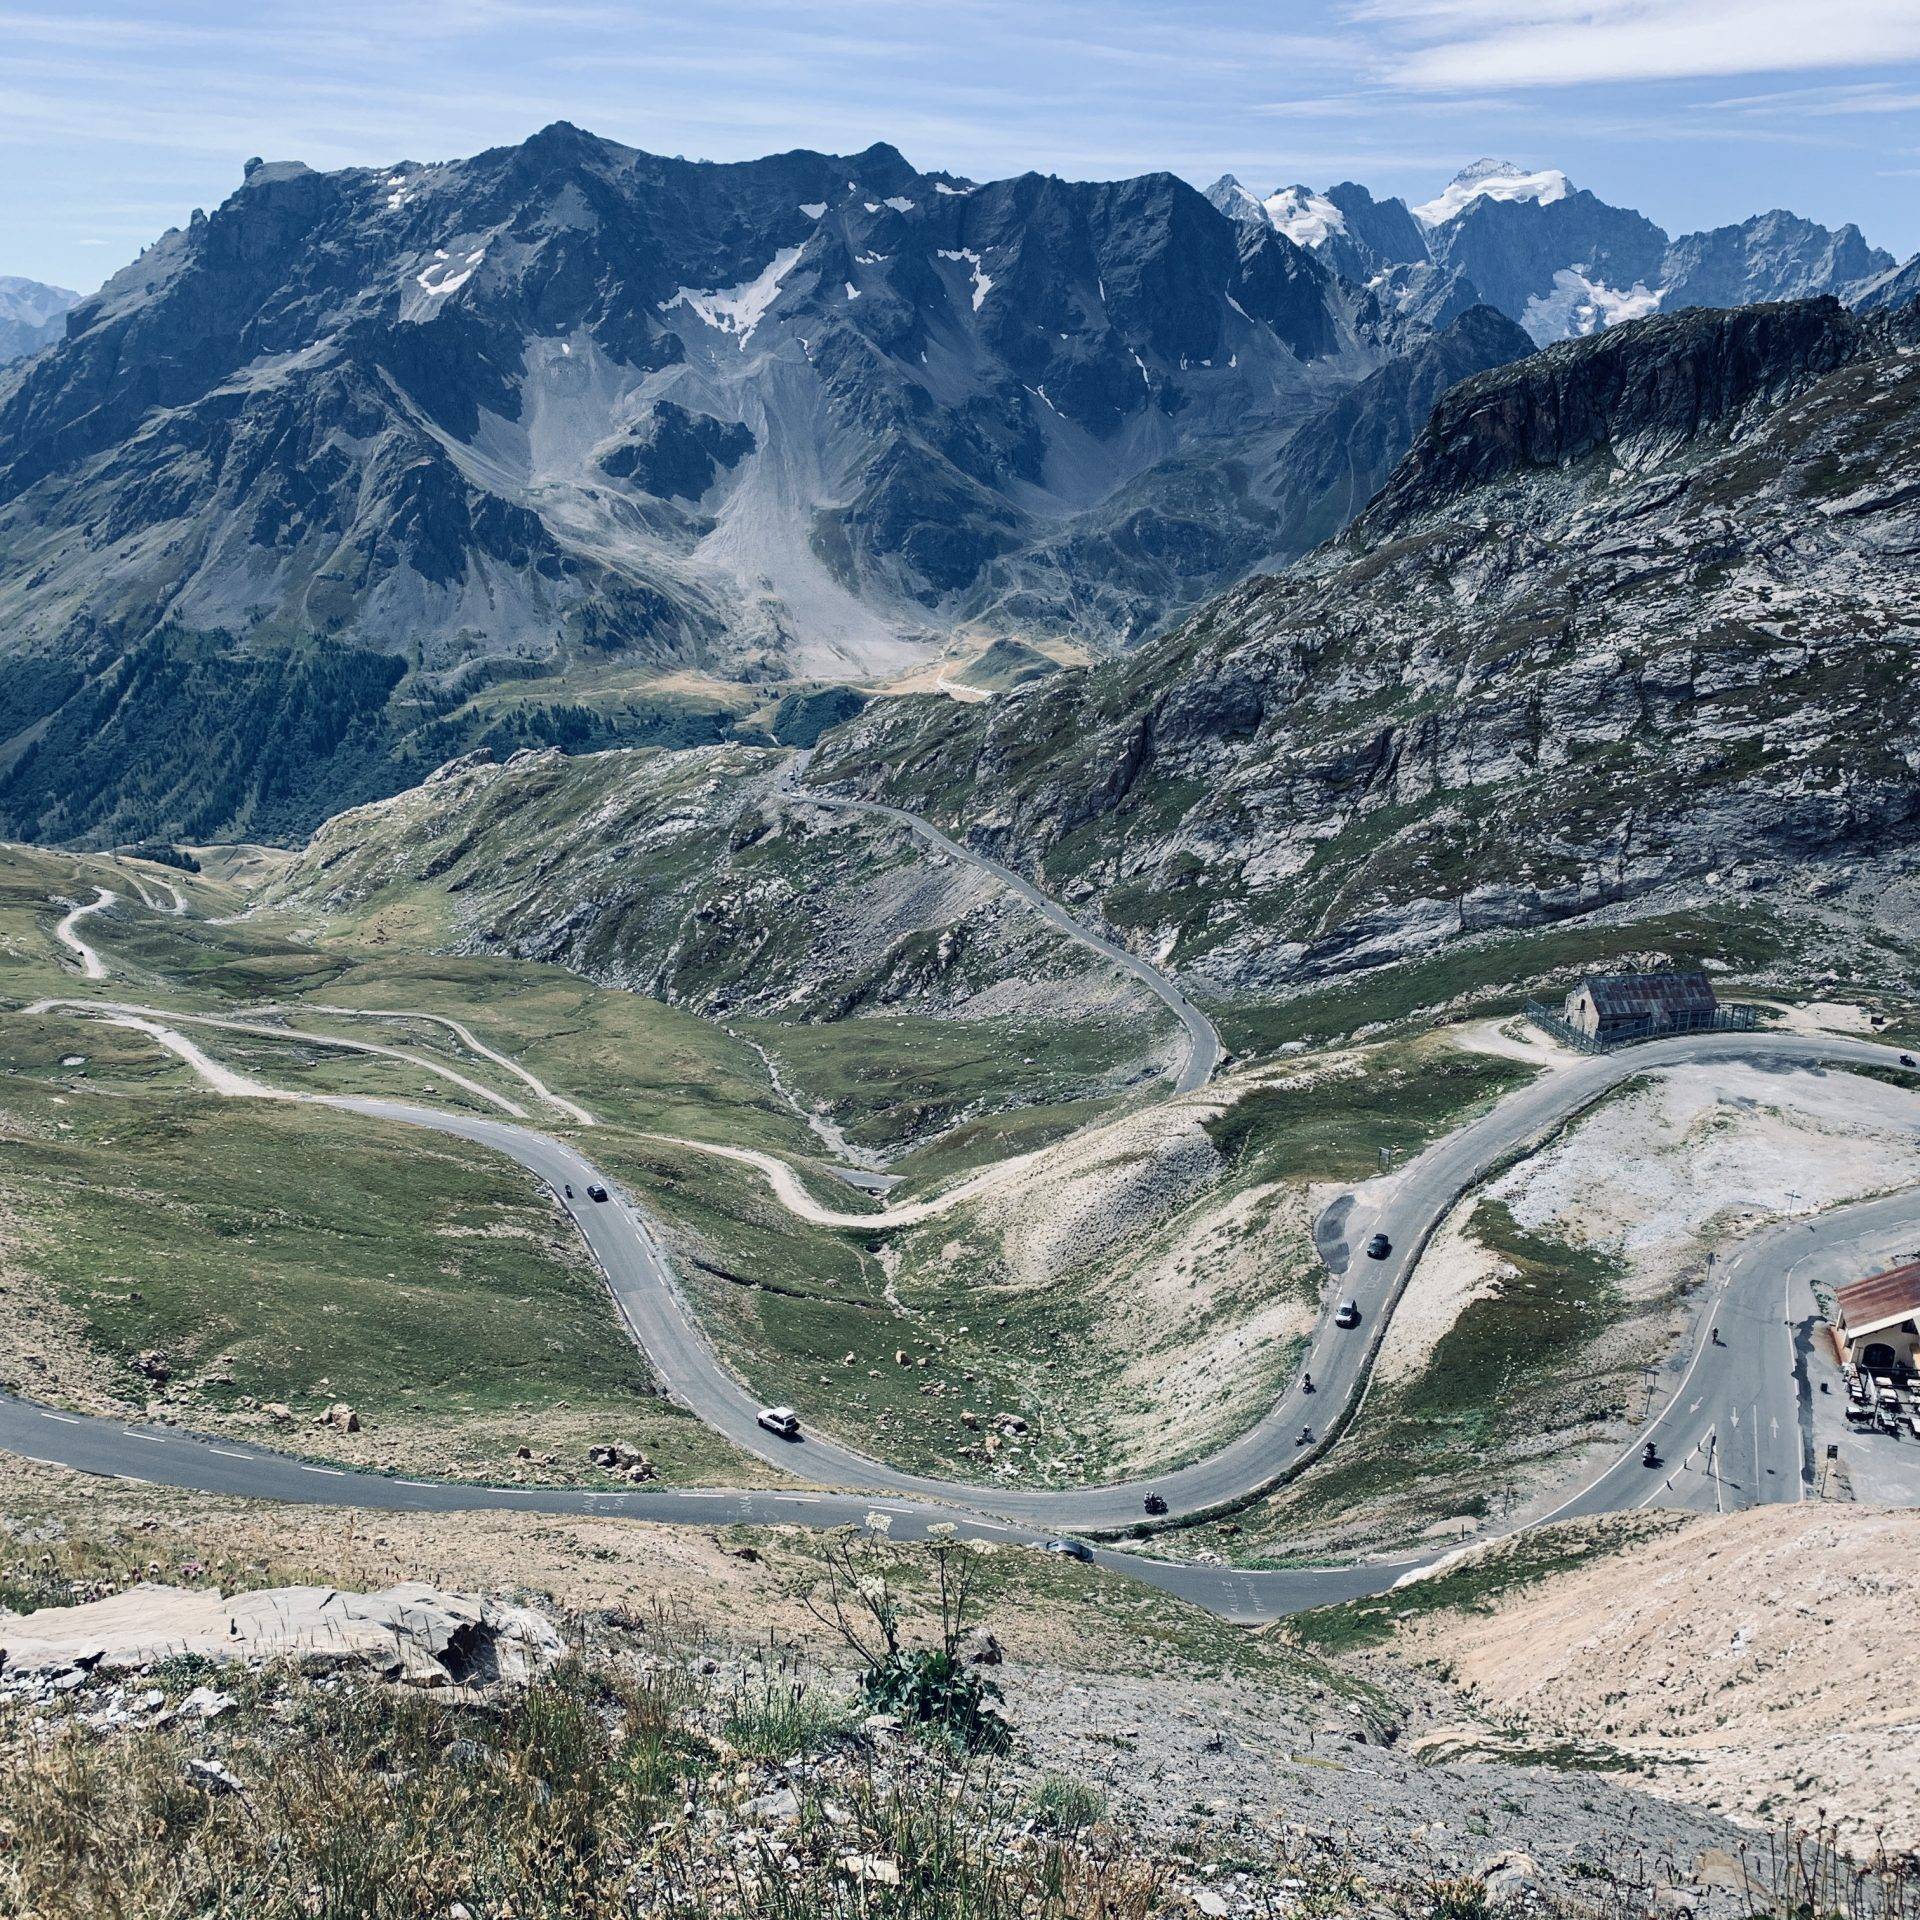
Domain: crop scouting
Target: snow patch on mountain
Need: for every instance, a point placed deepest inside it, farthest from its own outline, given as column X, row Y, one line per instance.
column 982, row 282
column 737, row 309
column 439, row 277
column 1307, row 218
column 1578, row 306
column 1492, row 180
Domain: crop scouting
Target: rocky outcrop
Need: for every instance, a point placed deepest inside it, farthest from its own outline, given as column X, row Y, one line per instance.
column 413, row 1632
column 1631, row 392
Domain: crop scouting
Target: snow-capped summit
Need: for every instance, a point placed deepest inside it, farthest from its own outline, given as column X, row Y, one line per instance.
column 1492, row 180
column 1307, row 218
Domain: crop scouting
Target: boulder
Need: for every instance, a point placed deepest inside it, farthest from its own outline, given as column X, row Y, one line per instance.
column 340, row 1417
column 1508, row 1876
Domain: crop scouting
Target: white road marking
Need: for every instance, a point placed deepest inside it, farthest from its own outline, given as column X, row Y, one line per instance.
column 333, row 1473
column 65, row 1419
column 227, row 1453
column 152, row 1439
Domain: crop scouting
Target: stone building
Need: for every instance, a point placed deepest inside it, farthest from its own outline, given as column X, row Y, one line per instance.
column 1607, row 1007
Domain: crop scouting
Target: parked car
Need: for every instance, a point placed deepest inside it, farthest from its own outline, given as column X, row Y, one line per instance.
column 781, row 1420
column 1073, row 1549
column 596, row 1193
column 1347, row 1314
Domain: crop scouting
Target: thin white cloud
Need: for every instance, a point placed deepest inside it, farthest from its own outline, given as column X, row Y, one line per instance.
column 1450, row 44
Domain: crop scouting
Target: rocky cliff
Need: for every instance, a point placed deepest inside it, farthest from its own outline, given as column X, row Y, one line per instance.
column 1633, row 614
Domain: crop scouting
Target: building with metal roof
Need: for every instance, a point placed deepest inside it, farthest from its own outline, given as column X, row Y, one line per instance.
column 1610, row 1007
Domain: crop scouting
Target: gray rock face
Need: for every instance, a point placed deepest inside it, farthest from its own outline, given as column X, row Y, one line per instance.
column 1331, row 469
column 1632, row 613
column 1635, row 393
column 1887, row 292
column 315, row 470
column 1774, row 256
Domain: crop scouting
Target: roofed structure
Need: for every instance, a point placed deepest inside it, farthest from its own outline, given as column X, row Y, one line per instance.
column 1878, row 1319
column 1606, row 1006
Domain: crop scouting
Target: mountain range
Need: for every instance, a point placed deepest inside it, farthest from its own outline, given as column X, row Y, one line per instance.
column 1550, row 255
column 1630, row 625
column 572, row 443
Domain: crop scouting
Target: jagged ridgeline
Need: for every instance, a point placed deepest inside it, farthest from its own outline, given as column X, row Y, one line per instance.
column 568, row 443
column 572, row 444
column 1636, row 613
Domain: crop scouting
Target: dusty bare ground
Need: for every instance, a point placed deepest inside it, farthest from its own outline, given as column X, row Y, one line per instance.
column 1194, row 1733
column 1192, row 1284
column 1761, row 1663
column 1673, row 1165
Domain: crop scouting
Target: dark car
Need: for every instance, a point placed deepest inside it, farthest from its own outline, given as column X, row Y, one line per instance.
column 1155, row 1504
column 1073, row 1549
column 596, row 1193
column 1906, row 1060
column 1379, row 1247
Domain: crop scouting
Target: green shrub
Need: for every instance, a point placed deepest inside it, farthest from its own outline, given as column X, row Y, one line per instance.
column 929, row 1687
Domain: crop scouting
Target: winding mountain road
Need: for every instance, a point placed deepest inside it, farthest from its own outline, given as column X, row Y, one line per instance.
column 1751, row 1375
column 92, row 967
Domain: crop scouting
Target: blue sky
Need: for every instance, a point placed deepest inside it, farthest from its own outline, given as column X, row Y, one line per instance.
column 118, row 117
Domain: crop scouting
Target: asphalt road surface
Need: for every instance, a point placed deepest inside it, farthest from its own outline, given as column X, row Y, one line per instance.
column 1708, row 1456
column 1752, row 1368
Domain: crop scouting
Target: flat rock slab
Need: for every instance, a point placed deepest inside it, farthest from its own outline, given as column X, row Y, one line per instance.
column 413, row 1632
